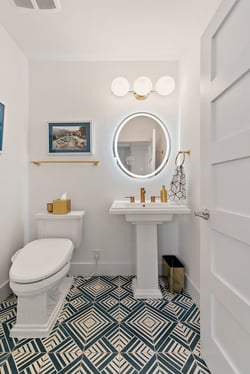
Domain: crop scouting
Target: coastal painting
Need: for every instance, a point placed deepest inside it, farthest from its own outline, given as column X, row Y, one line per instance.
column 73, row 137
column 1, row 126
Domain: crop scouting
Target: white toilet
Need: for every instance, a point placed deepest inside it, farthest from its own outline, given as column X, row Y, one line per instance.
column 38, row 274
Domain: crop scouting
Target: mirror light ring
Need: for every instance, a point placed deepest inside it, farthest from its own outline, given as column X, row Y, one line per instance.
column 115, row 145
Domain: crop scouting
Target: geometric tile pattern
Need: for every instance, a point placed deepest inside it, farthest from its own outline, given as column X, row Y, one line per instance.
column 103, row 329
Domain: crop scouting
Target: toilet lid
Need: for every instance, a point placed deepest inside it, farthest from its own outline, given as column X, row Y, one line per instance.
column 40, row 259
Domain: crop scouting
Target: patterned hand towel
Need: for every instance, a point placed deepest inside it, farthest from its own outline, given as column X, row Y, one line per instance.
column 177, row 189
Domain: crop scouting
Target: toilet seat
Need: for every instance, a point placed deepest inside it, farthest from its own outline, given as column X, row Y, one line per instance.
column 35, row 288
column 40, row 259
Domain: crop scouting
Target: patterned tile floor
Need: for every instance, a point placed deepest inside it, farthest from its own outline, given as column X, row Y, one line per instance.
column 103, row 329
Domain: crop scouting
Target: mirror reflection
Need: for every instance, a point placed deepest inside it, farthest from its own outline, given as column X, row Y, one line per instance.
column 141, row 145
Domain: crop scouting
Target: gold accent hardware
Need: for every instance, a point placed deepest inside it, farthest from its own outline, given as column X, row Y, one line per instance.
column 143, row 191
column 164, row 195
column 131, row 198
column 140, row 97
column 152, row 199
column 38, row 163
column 61, row 206
column 183, row 153
column 50, row 207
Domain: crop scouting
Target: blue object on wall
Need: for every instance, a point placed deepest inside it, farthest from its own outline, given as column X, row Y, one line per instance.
column 70, row 137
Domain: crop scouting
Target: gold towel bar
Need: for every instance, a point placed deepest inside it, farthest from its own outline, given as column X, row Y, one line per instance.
column 38, row 163
column 183, row 153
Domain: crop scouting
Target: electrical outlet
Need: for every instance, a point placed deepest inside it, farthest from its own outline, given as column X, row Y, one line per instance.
column 97, row 253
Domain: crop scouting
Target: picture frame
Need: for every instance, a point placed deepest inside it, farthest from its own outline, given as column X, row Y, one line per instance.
column 70, row 137
column 2, row 107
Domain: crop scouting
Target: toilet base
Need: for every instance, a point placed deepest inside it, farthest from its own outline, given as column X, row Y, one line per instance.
column 41, row 321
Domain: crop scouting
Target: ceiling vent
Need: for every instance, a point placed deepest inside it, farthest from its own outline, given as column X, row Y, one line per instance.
column 38, row 4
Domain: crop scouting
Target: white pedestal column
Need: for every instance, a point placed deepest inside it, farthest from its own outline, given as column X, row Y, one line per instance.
column 146, row 283
column 146, row 216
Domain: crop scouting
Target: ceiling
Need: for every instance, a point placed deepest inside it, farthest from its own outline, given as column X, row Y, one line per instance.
column 100, row 30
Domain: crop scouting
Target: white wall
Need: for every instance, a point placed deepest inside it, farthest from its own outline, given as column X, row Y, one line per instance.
column 13, row 160
column 78, row 91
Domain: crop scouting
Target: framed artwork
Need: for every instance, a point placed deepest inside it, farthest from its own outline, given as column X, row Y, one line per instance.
column 1, row 125
column 70, row 137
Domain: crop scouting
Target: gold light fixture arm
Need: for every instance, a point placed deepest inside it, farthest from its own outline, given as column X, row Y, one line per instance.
column 38, row 163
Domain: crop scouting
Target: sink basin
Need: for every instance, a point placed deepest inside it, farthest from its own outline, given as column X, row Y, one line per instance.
column 148, row 208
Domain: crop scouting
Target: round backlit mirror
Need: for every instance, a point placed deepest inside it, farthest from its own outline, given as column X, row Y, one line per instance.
column 141, row 145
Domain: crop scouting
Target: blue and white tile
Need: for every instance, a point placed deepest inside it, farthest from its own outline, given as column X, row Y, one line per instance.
column 59, row 362
column 181, row 362
column 133, row 363
column 25, row 363
column 97, row 287
column 177, row 335
column 7, row 343
column 89, row 325
column 103, row 329
column 109, row 302
column 99, row 362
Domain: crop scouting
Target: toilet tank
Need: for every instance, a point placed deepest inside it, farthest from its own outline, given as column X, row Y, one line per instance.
column 69, row 226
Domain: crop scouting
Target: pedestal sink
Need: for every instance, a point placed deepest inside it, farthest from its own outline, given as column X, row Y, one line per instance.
column 146, row 216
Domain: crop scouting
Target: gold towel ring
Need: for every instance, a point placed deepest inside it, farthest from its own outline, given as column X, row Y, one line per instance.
column 183, row 158
column 183, row 153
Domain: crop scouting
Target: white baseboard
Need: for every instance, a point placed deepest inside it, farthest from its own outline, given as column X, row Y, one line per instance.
column 192, row 290
column 5, row 291
column 87, row 269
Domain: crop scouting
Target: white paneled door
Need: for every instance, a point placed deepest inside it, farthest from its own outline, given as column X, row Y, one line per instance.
column 225, row 181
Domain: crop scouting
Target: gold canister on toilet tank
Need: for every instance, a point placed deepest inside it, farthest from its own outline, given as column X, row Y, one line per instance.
column 50, row 207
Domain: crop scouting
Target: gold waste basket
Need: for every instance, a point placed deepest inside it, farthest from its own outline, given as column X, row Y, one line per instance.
column 173, row 269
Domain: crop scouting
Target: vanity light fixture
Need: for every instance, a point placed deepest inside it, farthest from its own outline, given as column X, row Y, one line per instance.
column 143, row 86
column 120, row 86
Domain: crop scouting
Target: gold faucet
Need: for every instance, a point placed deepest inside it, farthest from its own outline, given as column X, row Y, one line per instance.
column 143, row 191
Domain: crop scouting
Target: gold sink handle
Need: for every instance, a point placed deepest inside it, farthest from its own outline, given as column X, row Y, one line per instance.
column 131, row 198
